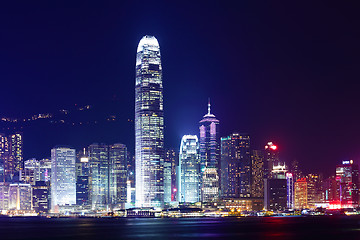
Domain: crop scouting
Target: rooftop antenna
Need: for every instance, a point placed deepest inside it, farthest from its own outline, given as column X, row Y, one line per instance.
column 209, row 105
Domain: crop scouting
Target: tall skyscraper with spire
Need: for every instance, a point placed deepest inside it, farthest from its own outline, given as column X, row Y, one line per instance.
column 149, row 125
column 209, row 156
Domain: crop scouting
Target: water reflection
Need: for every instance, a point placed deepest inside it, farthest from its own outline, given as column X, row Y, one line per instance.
column 173, row 229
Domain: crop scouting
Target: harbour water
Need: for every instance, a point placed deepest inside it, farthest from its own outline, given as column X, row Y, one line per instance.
column 324, row 227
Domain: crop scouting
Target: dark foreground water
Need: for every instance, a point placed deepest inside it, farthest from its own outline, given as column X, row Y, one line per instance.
column 190, row 228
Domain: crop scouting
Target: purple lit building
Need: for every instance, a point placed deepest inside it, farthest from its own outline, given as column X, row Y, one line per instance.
column 209, row 157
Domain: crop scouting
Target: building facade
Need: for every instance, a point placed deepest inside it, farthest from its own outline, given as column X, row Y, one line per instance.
column 257, row 174
column 118, row 175
column 271, row 155
column 235, row 166
column 189, row 170
column 301, row 194
column 209, row 157
column 63, row 181
column 149, row 125
column 99, row 176
column 347, row 176
column 20, row 197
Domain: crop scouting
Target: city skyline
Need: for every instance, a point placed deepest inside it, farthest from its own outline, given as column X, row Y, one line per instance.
column 287, row 78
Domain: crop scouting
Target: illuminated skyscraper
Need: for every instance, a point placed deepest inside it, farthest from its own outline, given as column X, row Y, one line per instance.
column 99, row 175
column 11, row 154
column 82, row 178
column 315, row 189
column 257, row 173
column 118, row 174
column 209, row 157
column 16, row 150
column 63, row 181
column 149, row 125
column 20, row 197
column 40, row 196
column 170, row 175
column 189, row 170
column 290, row 190
column 235, row 166
column 347, row 176
column 275, row 194
column 301, row 191
column 271, row 159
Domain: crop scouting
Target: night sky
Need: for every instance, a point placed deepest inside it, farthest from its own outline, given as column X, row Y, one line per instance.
column 281, row 71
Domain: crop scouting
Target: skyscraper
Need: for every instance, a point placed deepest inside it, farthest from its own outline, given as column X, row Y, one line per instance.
column 82, row 178
column 118, row 174
column 171, row 164
column 271, row 158
column 301, row 193
column 99, row 175
column 257, row 171
column 189, row 170
column 149, row 124
column 20, row 197
column 16, row 150
column 290, row 190
column 235, row 166
column 347, row 176
column 209, row 156
column 63, row 181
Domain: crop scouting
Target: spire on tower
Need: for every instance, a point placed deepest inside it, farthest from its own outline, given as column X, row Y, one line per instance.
column 209, row 105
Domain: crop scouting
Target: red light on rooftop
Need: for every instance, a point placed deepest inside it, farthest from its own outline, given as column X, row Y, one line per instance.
column 273, row 147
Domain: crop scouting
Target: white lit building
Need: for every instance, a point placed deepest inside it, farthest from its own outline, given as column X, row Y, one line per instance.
column 189, row 170
column 63, row 181
column 149, row 125
column 20, row 196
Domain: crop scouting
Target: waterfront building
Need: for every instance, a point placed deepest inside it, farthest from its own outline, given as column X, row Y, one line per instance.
column 99, row 176
column 170, row 175
column 331, row 190
column 257, row 174
column 189, row 170
column 82, row 191
column 235, row 166
column 314, row 185
column 149, row 125
column 63, row 181
column 301, row 191
column 237, row 205
column 4, row 196
column 118, row 175
column 290, row 190
column 167, row 181
column 40, row 196
column 209, row 156
column 20, row 196
column 130, row 187
column 275, row 196
column 347, row 176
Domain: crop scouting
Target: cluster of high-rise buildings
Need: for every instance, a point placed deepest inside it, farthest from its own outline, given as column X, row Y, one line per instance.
column 221, row 171
column 207, row 170
column 94, row 179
